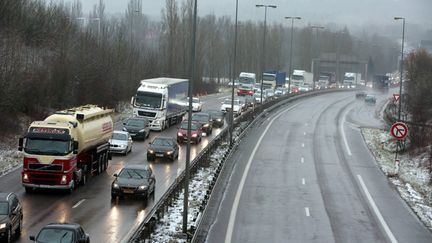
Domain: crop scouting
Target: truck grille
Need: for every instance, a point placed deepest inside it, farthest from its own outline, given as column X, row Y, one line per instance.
column 147, row 114
column 45, row 176
column 45, row 167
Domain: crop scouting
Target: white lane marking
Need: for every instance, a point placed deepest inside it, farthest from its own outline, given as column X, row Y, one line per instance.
column 343, row 133
column 303, row 145
column 306, row 124
column 377, row 212
column 78, row 203
column 223, row 97
column 234, row 208
column 304, row 133
column 302, row 159
column 307, row 212
column 303, row 181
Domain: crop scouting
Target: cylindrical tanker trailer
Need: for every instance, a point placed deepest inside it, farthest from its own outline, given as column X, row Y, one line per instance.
column 66, row 148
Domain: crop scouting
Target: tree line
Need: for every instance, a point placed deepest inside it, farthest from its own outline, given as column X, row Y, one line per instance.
column 53, row 58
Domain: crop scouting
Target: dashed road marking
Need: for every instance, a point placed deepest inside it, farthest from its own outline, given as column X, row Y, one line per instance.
column 302, row 159
column 307, row 212
column 78, row 203
column 303, row 181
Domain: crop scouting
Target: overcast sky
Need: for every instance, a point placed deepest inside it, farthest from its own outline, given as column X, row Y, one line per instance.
column 342, row 12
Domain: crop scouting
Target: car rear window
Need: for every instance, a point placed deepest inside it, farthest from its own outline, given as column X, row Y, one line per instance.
column 51, row 235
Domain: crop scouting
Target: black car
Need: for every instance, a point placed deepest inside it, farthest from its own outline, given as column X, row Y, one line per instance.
column 218, row 117
column 11, row 216
column 163, row 147
column 61, row 232
column 134, row 180
column 360, row 95
column 206, row 121
column 137, row 127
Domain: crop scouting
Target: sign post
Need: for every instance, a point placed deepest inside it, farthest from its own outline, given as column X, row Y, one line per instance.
column 398, row 130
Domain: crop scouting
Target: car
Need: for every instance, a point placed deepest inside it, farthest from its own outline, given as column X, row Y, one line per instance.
column 120, row 142
column 11, row 216
column 61, row 232
column 226, row 105
column 257, row 97
column 218, row 117
column 134, row 180
column 295, row 89
column 370, row 99
column 360, row 95
column 196, row 103
column 304, row 88
column 138, row 128
column 270, row 94
column 280, row 91
column 196, row 132
column 205, row 120
column 243, row 104
column 163, row 147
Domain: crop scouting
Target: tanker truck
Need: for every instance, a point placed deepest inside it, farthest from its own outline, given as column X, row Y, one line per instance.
column 66, row 148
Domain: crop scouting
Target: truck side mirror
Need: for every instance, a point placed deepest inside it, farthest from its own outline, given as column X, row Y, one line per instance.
column 20, row 144
column 75, row 147
column 132, row 100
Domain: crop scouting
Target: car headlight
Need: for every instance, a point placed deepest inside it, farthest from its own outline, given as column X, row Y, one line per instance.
column 2, row 226
column 150, row 151
column 169, row 152
column 206, row 125
column 143, row 187
column 122, row 146
column 179, row 134
column 194, row 135
column 116, row 186
column 124, row 129
column 142, row 130
column 219, row 120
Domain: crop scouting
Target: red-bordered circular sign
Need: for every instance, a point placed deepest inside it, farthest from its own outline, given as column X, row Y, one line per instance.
column 399, row 130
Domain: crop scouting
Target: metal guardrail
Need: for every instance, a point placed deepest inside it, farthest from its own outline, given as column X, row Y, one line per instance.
column 147, row 226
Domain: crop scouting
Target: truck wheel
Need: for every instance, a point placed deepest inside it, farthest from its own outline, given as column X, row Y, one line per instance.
column 71, row 189
column 28, row 189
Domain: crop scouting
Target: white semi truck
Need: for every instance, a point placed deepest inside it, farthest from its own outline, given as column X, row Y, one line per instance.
column 351, row 80
column 162, row 101
column 301, row 78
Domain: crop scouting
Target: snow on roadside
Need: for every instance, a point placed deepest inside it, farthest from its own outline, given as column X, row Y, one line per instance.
column 170, row 226
column 413, row 179
column 9, row 160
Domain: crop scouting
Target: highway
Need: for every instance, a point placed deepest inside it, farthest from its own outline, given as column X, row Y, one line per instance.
column 304, row 174
column 91, row 205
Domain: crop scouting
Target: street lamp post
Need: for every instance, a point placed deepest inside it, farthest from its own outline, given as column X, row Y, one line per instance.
column 290, row 61
column 265, row 6
column 312, row 68
column 401, row 66
column 191, row 78
column 234, row 73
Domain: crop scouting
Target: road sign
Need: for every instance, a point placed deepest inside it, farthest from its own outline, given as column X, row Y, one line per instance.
column 396, row 97
column 399, row 130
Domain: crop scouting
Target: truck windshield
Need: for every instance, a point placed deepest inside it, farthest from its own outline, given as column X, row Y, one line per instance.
column 148, row 99
column 269, row 77
column 246, row 80
column 47, row 147
column 297, row 77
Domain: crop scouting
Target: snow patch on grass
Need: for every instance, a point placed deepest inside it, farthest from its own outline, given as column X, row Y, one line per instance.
column 412, row 180
column 9, row 160
column 169, row 227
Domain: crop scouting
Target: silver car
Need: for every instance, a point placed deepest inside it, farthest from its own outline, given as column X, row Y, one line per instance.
column 121, row 142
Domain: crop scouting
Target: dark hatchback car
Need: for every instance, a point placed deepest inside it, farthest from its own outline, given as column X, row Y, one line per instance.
column 11, row 216
column 205, row 120
column 137, row 127
column 360, row 95
column 61, row 232
column 196, row 132
column 218, row 117
column 163, row 147
column 134, row 180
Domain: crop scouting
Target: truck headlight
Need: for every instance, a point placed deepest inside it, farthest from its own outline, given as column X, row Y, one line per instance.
column 63, row 179
column 2, row 226
column 143, row 187
column 25, row 177
column 115, row 186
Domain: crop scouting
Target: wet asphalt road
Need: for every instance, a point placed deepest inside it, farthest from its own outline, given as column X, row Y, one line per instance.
column 91, row 204
column 305, row 175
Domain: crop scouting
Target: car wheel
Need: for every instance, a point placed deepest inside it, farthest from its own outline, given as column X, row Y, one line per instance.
column 8, row 236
